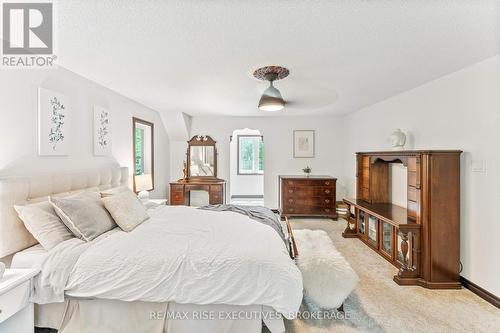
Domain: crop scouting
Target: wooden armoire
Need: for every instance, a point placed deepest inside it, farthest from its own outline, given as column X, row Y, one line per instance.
column 423, row 238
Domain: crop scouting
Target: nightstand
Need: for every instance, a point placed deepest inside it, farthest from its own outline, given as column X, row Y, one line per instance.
column 16, row 312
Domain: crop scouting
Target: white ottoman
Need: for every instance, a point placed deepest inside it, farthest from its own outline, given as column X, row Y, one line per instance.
column 328, row 277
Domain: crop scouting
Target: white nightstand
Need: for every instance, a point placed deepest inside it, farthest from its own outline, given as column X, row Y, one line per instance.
column 16, row 312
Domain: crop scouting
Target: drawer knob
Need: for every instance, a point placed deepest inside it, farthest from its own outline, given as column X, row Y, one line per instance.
column 290, row 191
column 327, row 200
column 327, row 209
column 290, row 200
column 327, row 191
column 327, row 183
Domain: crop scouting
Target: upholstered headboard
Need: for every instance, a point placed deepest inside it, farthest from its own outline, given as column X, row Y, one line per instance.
column 23, row 190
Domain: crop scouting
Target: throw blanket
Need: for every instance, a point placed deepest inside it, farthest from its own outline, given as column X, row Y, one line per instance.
column 181, row 254
column 257, row 213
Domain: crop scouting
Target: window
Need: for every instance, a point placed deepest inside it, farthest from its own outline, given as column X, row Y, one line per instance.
column 250, row 155
column 139, row 151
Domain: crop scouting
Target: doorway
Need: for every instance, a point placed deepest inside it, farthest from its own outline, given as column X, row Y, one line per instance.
column 246, row 183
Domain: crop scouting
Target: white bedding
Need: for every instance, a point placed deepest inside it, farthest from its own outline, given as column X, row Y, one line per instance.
column 30, row 257
column 181, row 254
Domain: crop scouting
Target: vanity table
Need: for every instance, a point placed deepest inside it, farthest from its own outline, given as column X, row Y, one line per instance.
column 200, row 174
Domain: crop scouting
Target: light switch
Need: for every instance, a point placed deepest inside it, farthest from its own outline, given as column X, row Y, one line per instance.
column 478, row 166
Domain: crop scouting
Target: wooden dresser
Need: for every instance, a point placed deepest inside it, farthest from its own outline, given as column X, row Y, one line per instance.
column 307, row 196
column 422, row 238
column 179, row 191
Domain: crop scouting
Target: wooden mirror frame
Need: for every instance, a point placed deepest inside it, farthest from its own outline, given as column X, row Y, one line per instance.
column 152, row 125
column 203, row 141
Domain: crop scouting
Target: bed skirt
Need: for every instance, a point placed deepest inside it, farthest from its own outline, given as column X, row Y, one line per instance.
column 108, row 316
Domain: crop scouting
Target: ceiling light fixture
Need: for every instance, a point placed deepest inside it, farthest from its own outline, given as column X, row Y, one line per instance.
column 271, row 99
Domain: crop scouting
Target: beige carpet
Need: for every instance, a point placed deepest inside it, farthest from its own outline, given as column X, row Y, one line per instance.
column 380, row 305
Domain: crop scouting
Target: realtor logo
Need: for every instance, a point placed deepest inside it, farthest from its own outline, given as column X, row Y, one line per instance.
column 28, row 35
column 27, row 28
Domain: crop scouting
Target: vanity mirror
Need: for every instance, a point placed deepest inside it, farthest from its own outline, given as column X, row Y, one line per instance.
column 202, row 158
column 200, row 174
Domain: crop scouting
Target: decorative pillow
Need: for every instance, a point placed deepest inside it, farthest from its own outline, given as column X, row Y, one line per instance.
column 115, row 191
column 83, row 214
column 126, row 209
column 43, row 223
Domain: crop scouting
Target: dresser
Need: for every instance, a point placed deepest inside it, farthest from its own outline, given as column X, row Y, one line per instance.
column 180, row 191
column 307, row 196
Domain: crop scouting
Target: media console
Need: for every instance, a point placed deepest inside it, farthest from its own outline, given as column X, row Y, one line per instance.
column 423, row 238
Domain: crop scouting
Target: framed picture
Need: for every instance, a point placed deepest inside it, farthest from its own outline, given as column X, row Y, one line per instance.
column 102, row 131
column 53, row 123
column 303, row 143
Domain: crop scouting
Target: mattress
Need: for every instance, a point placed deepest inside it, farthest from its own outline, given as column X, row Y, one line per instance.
column 29, row 258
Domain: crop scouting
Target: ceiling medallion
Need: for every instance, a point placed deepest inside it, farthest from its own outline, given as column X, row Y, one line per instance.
column 271, row 99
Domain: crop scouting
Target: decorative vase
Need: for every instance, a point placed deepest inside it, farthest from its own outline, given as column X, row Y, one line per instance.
column 398, row 139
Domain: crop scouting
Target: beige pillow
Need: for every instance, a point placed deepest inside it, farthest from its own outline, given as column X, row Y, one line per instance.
column 43, row 223
column 115, row 191
column 127, row 211
column 83, row 214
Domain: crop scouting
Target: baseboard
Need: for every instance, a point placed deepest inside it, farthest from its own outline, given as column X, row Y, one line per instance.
column 484, row 294
column 247, row 197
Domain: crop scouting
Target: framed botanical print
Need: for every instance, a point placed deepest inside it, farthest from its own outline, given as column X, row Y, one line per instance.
column 102, row 131
column 53, row 123
column 303, row 143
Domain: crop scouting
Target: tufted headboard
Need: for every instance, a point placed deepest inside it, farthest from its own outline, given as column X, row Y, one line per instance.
column 23, row 190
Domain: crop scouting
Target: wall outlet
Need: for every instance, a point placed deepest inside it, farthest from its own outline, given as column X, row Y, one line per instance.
column 478, row 166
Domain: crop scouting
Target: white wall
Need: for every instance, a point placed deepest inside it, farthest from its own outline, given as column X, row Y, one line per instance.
column 462, row 111
column 244, row 184
column 18, row 125
column 278, row 136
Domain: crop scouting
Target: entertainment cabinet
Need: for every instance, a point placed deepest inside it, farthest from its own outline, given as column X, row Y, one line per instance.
column 422, row 239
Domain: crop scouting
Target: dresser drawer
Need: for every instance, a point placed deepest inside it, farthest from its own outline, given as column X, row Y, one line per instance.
column 177, row 188
column 215, row 199
column 305, row 192
column 309, row 202
column 177, row 198
column 412, row 178
column 14, row 300
column 215, row 188
column 308, row 182
column 308, row 210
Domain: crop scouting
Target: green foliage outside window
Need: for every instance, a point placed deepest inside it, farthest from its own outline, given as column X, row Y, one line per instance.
column 139, row 151
column 251, row 155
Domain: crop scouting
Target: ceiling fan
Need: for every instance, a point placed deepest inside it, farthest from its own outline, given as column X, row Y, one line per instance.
column 271, row 99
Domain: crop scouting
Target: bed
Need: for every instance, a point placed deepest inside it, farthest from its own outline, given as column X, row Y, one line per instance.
column 184, row 270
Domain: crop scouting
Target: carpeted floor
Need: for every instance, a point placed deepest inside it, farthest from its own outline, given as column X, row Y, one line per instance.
column 380, row 305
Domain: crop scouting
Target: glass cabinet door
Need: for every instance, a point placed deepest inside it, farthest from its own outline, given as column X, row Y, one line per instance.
column 372, row 229
column 386, row 243
column 361, row 222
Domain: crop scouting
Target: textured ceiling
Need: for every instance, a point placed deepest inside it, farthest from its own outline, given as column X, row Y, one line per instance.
column 198, row 57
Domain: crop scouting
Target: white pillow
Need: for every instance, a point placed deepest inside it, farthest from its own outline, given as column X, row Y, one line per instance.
column 43, row 223
column 127, row 211
column 83, row 214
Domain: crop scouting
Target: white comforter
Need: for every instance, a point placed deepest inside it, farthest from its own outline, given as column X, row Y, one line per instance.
column 181, row 254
